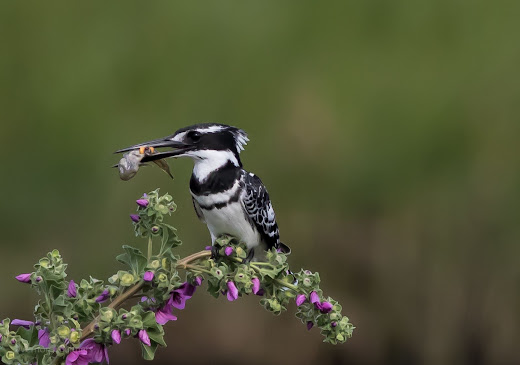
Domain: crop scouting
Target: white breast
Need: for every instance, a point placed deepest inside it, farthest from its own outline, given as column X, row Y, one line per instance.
column 232, row 221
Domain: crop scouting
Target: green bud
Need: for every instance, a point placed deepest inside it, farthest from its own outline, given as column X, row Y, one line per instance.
column 155, row 264
column 162, row 277
column 44, row 263
column 113, row 279
column 127, row 279
column 165, row 264
column 10, row 355
column 216, row 272
column 74, row 337
column 63, row 331
column 340, row 337
column 53, row 339
column 240, row 252
column 307, row 282
column 60, row 319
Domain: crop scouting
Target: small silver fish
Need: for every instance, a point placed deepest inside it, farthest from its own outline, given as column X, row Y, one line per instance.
column 131, row 161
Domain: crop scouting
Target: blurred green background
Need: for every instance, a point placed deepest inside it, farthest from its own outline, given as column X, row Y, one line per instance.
column 386, row 133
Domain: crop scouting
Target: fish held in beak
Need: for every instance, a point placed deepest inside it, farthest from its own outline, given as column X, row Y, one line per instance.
column 131, row 162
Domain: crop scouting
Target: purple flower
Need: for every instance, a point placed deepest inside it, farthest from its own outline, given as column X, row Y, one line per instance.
column 142, row 202
column 128, row 332
column 256, row 285
column 228, row 250
column 135, row 218
column 232, row 293
column 334, row 324
column 22, row 323
column 314, row 297
column 309, row 325
column 300, row 299
column 103, row 297
column 198, row 281
column 96, row 352
column 143, row 336
column 164, row 315
column 207, row 248
column 180, row 295
column 71, row 291
column 324, row 307
column 77, row 357
column 43, row 338
column 148, row 276
column 24, row 278
column 116, row 336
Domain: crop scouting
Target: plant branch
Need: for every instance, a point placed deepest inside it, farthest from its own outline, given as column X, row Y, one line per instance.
column 132, row 291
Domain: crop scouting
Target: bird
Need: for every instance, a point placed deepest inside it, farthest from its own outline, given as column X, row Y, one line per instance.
column 227, row 198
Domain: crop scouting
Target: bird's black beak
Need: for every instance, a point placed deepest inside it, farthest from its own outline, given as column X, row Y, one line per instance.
column 180, row 148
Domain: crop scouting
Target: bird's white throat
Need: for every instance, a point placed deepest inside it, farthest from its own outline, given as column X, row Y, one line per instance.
column 207, row 161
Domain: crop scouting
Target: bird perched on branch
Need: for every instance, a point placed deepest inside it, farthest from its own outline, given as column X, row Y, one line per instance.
column 226, row 197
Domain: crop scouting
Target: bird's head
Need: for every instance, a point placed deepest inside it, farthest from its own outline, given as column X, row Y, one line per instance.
column 201, row 142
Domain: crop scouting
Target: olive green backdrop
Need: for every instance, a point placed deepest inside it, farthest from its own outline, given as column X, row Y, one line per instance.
column 385, row 131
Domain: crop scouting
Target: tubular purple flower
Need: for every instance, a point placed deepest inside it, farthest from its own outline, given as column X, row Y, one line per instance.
column 116, row 336
column 256, row 285
column 103, row 297
column 24, row 278
column 96, row 352
column 77, row 357
column 128, row 332
column 143, row 336
column 180, row 295
column 324, row 307
column 135, row 218
column 142, row 202
column 228, row 250
column 71, row 291
column 22, row 323
column 314, row 297
column 300, row 299
column 164, row 315
column 309, row 325
column 232, row 293
column 43, row 338
column 198, row 280
column 148, row 276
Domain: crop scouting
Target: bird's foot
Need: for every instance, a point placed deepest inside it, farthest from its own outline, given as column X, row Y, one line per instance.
column 249, row 256
column 214, row 253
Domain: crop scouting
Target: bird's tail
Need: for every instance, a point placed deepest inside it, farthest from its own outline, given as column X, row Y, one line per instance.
column 285, row 249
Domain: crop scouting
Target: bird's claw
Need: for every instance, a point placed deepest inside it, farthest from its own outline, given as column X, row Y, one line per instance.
column 249, row 256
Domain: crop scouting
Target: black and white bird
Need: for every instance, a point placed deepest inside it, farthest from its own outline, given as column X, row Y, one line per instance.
column 226, row 197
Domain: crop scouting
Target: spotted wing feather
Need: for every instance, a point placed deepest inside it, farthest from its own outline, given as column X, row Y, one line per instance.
column 260, row 211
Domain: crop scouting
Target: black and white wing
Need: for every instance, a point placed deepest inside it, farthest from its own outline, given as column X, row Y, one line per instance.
column 197, row 210
column 260, row 211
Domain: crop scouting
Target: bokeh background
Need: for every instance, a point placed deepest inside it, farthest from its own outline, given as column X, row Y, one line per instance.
column 386, row 132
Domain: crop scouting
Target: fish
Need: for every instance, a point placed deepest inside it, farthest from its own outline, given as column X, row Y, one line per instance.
column 131, row 162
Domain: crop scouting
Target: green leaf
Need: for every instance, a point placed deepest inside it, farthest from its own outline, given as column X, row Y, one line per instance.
column 157, row 336
column 149, row 351
column 134, row 258
column 30, row 335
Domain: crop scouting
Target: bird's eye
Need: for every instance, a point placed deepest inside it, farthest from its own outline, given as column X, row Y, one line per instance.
column 194, row 136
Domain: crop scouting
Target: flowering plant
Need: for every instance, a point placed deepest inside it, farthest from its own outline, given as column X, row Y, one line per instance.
column 75, row 322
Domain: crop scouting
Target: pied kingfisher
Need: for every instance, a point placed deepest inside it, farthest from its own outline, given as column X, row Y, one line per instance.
column 226, row 197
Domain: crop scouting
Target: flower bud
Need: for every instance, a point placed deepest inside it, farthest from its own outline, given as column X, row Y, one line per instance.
column 13, row 342
column 38, row 279
column 128, row 332
column 148, row 276
column 334, row 324
column 232, row 293
column 314, row 297
column 256, row 285
column 142, row 203
column 228, row 250
column 74, row 336
column 127, row 279
column 9, row 355
column 155, row 264
column 24, row 278
column 198, row 281
column 63, row 331
column 135, row 218
column 116, row 336
column 307, row 282
column 300, row 299
column 71, row 291
column 309, row 325
column 143, row 336
column 162, row 277
column 155, row 229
